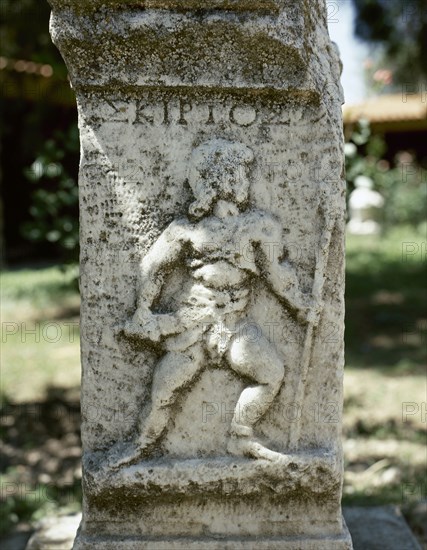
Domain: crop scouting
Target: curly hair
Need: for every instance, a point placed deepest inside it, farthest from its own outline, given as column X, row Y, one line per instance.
column 217, row 171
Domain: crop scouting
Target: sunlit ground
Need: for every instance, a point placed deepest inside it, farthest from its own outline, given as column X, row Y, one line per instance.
column 385, row 384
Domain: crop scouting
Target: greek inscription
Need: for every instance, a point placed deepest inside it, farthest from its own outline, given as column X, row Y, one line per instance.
column 117, row 114
column 184, row 108
column 141, row 116
column 243, row 115
column 184, row 112
column 211, row 119
column 165, row 113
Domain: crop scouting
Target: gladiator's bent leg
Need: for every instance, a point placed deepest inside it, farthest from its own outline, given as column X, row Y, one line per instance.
column 258, row 360
column 174, row 372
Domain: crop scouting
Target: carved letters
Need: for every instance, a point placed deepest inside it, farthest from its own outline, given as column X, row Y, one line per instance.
column 182, row 111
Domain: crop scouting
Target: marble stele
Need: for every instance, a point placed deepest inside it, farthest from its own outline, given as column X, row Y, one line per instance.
column 212, row 219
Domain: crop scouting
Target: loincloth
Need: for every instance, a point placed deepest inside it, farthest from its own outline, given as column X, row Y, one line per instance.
column 210, row 317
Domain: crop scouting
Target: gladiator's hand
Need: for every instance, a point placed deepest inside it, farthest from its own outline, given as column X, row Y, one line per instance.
column 313, row 317
column 145, row 329
column 149, row 326
column 311, row 314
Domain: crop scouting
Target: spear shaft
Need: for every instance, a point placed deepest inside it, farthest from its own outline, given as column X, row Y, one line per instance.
column 317, row 293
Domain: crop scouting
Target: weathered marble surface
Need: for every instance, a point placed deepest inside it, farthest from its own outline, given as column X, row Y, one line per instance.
column 371, row 529
column 212, row 221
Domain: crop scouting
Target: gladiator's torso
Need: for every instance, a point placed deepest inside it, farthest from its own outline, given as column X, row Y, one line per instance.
column 221, row 255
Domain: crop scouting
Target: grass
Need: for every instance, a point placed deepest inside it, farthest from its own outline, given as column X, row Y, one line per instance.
column 40, row 333
column 40, row 377
column 386, row 335
column 385, row 380
column 386, row 297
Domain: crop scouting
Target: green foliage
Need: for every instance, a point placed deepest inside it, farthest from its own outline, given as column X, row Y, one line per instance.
column 24, row 33
column 29, row 501
column 37, row 288
column 32, row 502
column 399, row 28
column 403, row 185
column 54, row 206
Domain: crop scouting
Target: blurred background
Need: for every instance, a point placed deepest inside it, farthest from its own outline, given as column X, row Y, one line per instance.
column 383, row 45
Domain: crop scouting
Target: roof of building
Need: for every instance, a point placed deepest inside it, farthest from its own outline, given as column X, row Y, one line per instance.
column 404, row 107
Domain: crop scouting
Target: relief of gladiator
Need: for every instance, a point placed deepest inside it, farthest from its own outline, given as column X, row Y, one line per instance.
column 204, row 327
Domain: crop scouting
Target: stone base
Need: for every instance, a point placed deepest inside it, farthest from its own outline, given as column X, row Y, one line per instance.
column 339, row 542
column 371, row 529
column 317, row 472
column 185, row 502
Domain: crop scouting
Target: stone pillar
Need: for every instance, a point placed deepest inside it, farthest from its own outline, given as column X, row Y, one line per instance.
column 212, row 220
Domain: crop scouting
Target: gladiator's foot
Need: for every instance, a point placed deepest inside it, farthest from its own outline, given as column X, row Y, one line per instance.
column 128, row 455
column 244, row 446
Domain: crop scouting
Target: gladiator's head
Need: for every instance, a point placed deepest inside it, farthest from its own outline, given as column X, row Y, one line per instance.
column 218, row 172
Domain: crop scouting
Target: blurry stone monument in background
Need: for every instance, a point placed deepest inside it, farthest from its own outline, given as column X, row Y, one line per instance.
column 365, row 208
column 212, row 220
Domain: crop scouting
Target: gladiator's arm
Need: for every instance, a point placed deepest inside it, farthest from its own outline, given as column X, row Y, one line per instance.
column 281, row 276
column 164, row 253
column 284, row 282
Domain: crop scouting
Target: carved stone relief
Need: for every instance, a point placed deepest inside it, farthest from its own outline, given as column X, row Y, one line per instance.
column 212, row 198
column 211, row 310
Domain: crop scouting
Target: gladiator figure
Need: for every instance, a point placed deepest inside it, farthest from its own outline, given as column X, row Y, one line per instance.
column 221, row 243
